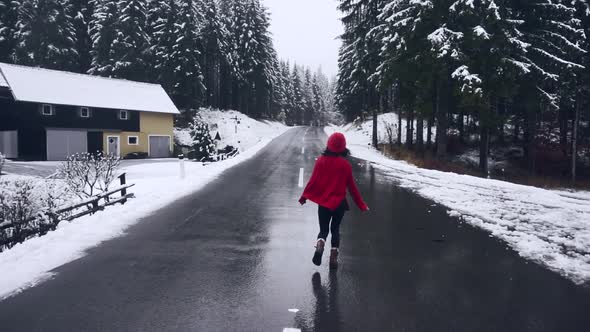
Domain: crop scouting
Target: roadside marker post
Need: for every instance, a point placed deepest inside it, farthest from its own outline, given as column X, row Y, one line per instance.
column 181, row 161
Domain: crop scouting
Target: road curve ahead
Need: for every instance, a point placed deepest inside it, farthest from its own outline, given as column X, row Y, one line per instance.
column 236, row 256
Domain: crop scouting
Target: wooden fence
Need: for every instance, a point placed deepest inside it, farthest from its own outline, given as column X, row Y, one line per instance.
column 220, row 157
column 48, row 220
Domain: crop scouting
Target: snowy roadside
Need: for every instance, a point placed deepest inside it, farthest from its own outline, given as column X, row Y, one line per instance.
column 551, row 227
column 248, row 130
column 156, row 185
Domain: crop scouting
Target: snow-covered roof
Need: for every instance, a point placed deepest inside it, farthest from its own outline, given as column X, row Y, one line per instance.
column 64, row 88
column 3, row 83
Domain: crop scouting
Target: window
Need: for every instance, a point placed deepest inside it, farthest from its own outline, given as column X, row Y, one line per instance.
column 84, row 112
column 47, row 110
column 123, row 115
column 133, row 140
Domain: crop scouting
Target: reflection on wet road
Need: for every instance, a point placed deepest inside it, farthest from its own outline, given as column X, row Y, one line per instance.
column 236, row 256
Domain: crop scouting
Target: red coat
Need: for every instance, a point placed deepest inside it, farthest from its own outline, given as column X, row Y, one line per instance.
column 328, row 183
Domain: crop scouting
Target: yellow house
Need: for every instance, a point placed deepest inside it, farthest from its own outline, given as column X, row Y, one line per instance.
column 50, row 115
column 155, row 137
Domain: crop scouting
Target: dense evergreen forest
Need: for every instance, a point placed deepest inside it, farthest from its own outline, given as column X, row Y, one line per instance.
column 212, row 53
column 502, row 71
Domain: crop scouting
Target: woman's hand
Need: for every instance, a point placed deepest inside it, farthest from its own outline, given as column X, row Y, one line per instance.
column 302, row 200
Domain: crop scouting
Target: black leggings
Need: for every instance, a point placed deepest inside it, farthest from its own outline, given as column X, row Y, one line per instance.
column 325, row 215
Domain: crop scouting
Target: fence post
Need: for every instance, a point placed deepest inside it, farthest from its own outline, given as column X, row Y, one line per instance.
column 123, row 182
column 95, row 206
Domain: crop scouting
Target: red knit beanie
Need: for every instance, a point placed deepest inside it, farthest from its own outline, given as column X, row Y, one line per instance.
column 337, row 143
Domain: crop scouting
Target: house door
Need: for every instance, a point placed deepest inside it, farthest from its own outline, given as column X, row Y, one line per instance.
column 113, row 146
column 61, row 144
column 95, row 142
column 9, row 143
column 159, row 146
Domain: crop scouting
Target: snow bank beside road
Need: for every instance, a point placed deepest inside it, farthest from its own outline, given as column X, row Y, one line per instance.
column 551, row 227
column 156, row 185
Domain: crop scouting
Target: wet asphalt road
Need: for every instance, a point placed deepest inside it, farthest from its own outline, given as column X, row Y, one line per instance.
column 236, row 256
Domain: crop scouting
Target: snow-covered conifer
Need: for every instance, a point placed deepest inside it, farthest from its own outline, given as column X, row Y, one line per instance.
column 202, row 142
column 46, row 34
column 8, row 29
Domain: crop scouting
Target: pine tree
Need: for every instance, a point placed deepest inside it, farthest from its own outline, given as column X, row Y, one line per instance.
column 229, row 71
column 46, row 35
column 318, row 101
column 359, row 56
column 162, row 18
column 280, row 94
column 214, row 37
column 131, row 43
column 253, row 60
column 158, row 28
column 103, row 31
column 82, row 11
column 289, row 104
column 184, row 59
column 307, row 96
column 298, row 109
column 203, row 145
column 8, row 29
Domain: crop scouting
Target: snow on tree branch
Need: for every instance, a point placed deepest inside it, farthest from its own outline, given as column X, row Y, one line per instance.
column 470, row 81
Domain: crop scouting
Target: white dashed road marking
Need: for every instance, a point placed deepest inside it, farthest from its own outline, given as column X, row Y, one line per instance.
column 303, row 150
column 294, row 310
column 301, row 177
column 289, row 329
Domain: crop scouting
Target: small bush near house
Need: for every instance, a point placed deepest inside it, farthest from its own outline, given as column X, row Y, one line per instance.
column 202, row 143
column 2, row 160
column 136, row 155
column 87, row 175
column 228, row 150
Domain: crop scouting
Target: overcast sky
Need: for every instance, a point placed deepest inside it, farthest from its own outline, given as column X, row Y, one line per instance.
column 305, row 32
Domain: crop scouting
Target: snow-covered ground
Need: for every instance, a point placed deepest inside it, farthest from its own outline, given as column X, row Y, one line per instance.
column 551, row 227
column 249, row 131
column 156, row 185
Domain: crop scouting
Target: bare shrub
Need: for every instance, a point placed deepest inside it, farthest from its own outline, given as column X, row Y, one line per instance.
column 17, row 206
column 86, row 174
column 28, row 208
column 2, row 160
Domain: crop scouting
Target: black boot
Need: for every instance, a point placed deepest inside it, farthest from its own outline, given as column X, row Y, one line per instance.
column 319, row 251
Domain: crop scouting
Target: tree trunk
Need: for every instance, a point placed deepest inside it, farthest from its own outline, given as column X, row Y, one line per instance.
column 429, row 131
column 399, row 116
column 501, row 110
column 461, row 126
column 563, row 131
column 375, row 122
column 531, row 139
column 501, row 132
column 441, row 117
column 420, row 132
column 575, row 138
column 410, row 129
column 484, row 148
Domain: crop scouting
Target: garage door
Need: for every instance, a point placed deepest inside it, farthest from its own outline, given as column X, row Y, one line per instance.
column 63, row 143
column 159, row 146
column 9, row 143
